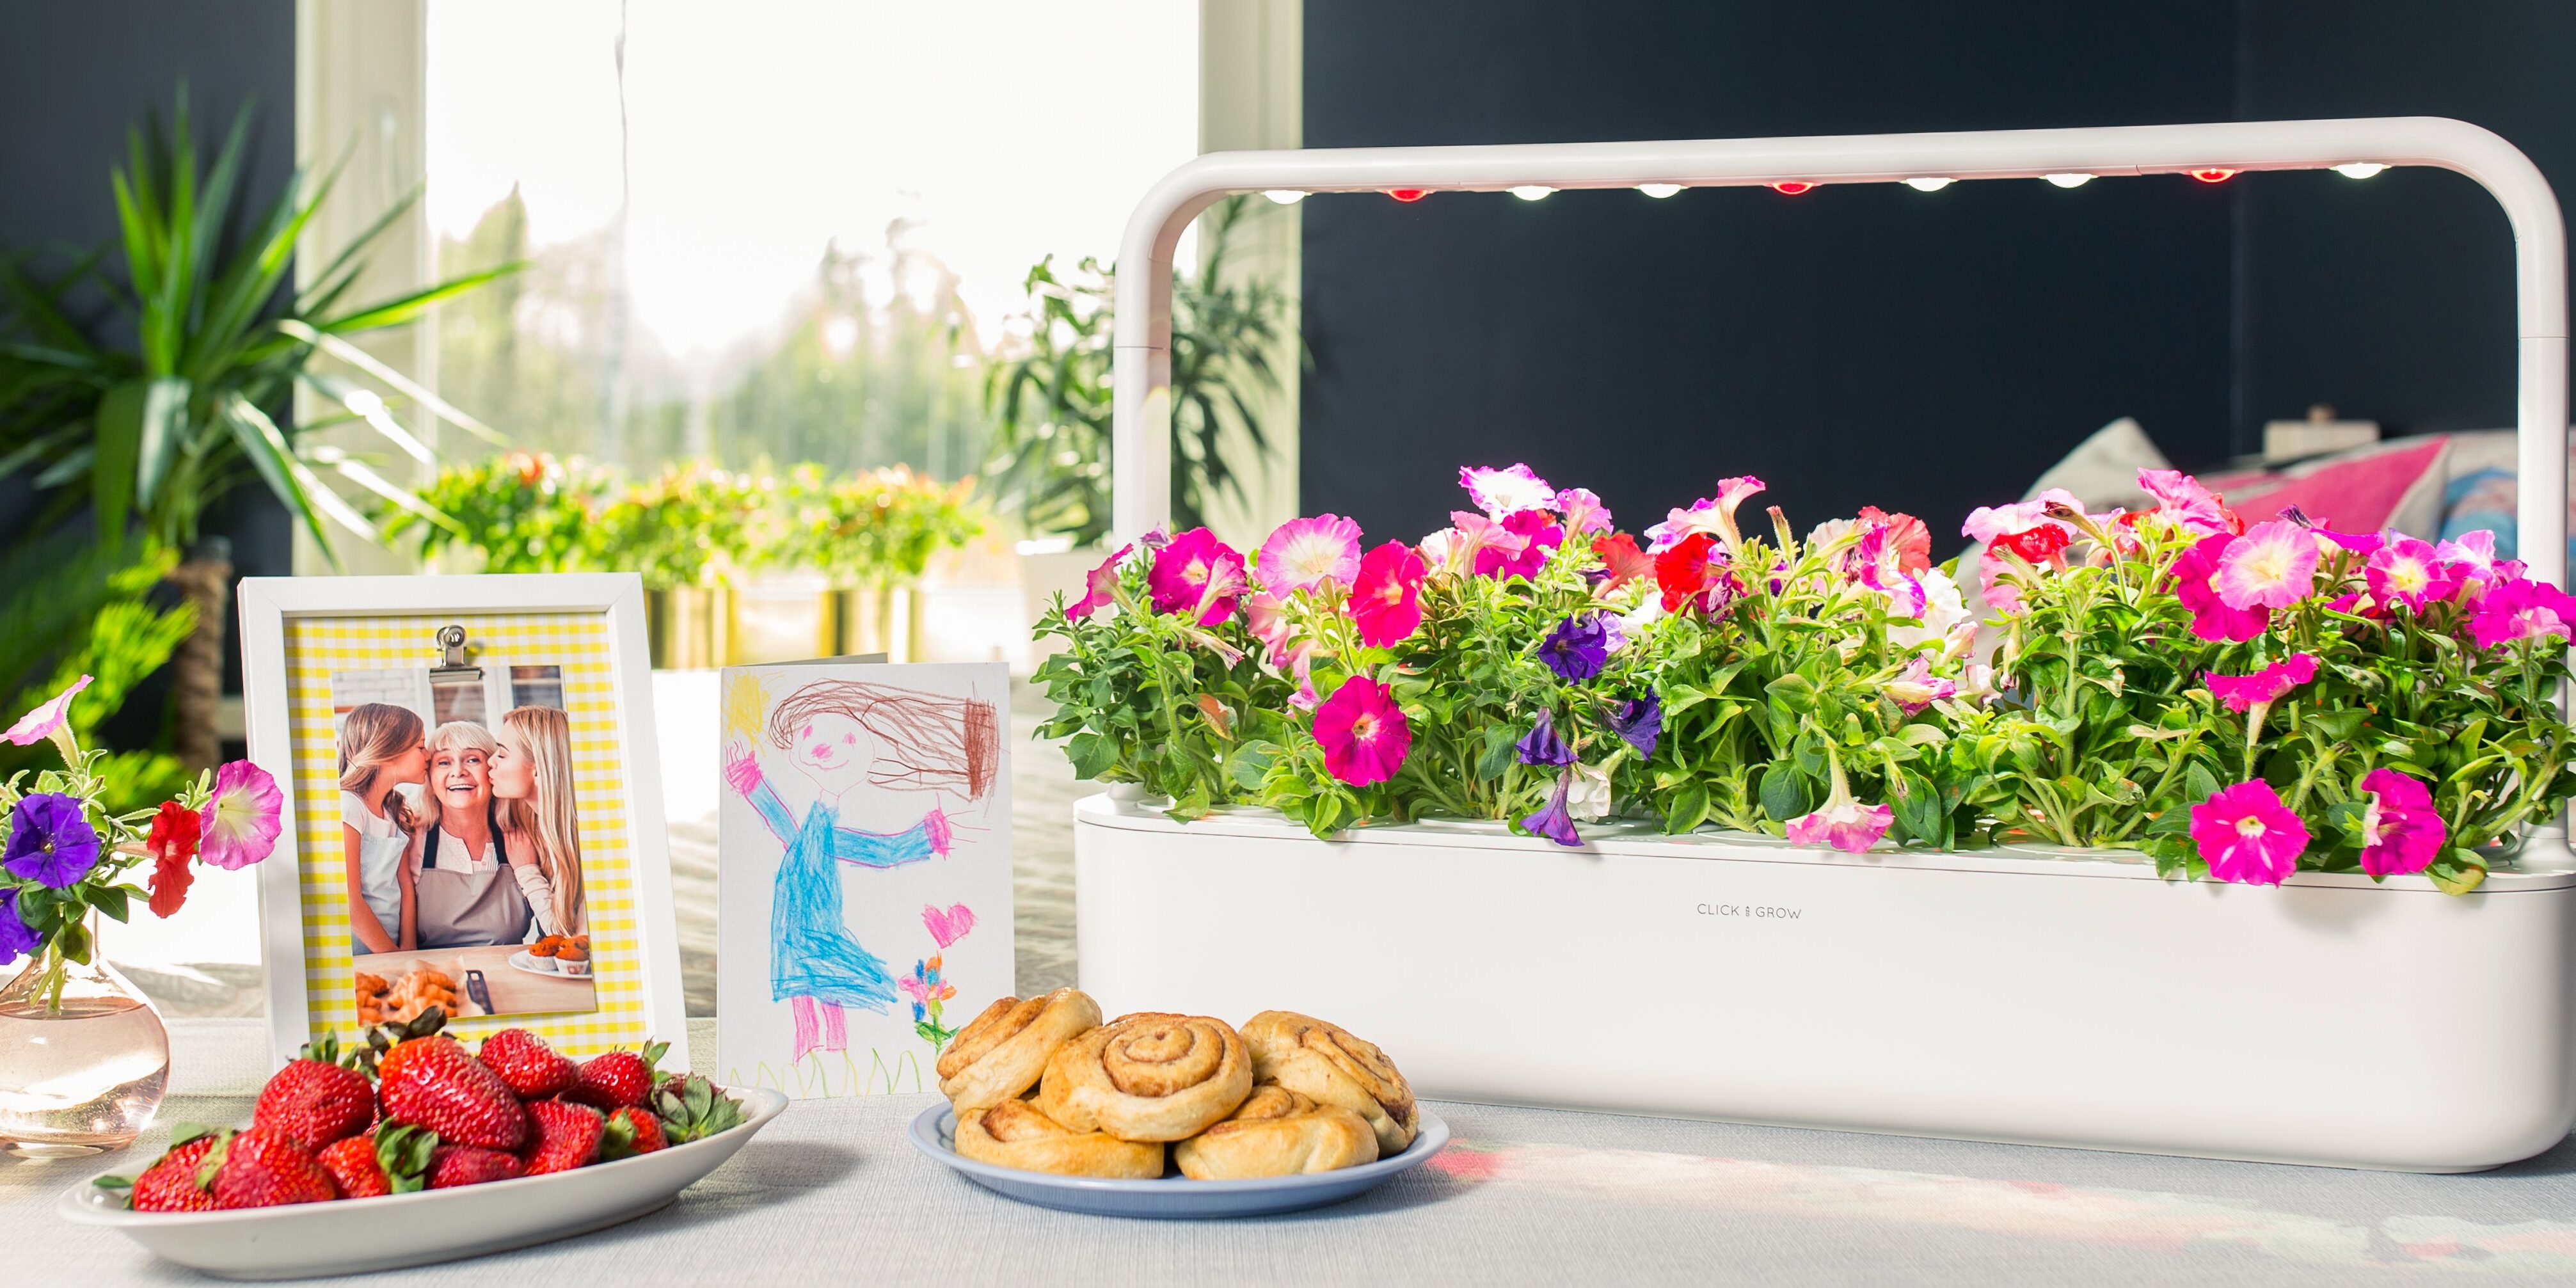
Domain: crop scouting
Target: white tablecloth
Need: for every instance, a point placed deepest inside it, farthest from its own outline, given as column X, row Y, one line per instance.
column 833, row 1193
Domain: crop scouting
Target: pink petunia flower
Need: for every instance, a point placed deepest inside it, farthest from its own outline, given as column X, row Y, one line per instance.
column 1992, row 523
column 2400, row 830
column 47, row 719
column 1197, row 576
column 1476, row 534
column 1583, row 511
column 1302, row 554
column 1502, row 492
column 2247, row 835
column 1843, row 822
column 2473, row 558
column 1915, row 687
column 1714, row 515
column 239, row 825
column 1386, row 600
column 1265, row 616
column 1363, row 733
column 1538, row 535
column 2274, row 565
column 2408, row 571
column 2183, row 502
column 1099, row 588
column 2518, row 610
column 2195, row 584
column 2271, row 684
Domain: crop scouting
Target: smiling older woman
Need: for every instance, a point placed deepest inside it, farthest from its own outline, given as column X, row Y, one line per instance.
column 464, row 896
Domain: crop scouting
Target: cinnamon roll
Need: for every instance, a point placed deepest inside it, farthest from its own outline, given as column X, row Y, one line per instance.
column 1336, row 1067
column 1277, row 1132
column 1015, row 1133
column 1148, row 1076
column 1003, row 1052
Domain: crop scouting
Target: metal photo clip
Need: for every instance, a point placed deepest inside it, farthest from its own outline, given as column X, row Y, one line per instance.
column 455, row 686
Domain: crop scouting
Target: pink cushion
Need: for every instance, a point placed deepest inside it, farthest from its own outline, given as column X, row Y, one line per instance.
column 2357, row 494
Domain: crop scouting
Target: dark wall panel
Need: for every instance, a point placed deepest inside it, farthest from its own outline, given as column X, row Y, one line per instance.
column 1853, row 345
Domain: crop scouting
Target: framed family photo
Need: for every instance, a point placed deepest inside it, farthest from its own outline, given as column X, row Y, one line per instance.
column 473, row 798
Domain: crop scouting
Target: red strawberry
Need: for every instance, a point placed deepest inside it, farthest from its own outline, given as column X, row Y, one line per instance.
column 170, row 1184
column 533, row 1069
column 317, row 1098
column 264, row 1167
column 432, row 1083
column 617, row 1078
column 567, row 1136
column 454, row 1165
column 351, row 1161
column 632, row 1131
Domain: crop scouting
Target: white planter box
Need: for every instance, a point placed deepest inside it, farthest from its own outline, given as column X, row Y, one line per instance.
column 2034, row 998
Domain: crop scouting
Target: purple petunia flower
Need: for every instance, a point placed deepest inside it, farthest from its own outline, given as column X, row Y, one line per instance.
column 1541, row 745
column 1578, row 648
column 50, row 843
column 1552, row 821
column 1639, row 721
column 17, row 938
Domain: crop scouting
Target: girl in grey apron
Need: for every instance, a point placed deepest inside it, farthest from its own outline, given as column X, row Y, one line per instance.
column 466, row 904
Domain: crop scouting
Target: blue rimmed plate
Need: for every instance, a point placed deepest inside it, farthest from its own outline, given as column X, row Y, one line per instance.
column 1174, row 1197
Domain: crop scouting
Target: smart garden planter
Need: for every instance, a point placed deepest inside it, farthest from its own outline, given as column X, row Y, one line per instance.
column 2018, row 995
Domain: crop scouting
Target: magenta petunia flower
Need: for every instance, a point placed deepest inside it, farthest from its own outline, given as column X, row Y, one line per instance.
column 1475, row 534
column 1386, row 599
column 1502, row 492
column 2408, row 571
column 2195, row 584
column 2247, row 835
column 1915, row 687
column 1714, row 515
column 1099, row 587
column 1993, row 523
column 240, row 822
column 2473, row 559
column 1538, row 535
column 1582, row 511
column 1844, row 824
column 1363, row 732
column 1302, row 554
column 2274, row 565
column 2519, row 610
column 1196, row 576
column 2242, row 692
column 2183, row 502
column 46, row 718
column 2400, row 830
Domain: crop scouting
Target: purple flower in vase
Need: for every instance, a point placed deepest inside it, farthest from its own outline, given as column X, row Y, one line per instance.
column 1542, row 745
column 50, row 842
column 17, row 938
column 1578, row 648
column 1639, row 722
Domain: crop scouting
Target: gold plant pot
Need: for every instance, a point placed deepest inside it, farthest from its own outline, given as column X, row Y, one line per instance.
column 691, row 627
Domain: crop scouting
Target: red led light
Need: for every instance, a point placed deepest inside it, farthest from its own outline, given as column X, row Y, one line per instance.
column 1791, row 187
column 1408, row 194
column 2213, row 175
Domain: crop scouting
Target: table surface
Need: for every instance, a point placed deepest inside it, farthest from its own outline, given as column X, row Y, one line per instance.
column 1524, row 1196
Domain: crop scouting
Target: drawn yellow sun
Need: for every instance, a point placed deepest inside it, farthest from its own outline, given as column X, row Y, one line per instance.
column 746, row 705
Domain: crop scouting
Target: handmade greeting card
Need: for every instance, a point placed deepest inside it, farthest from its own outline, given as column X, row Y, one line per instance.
column 863, row 870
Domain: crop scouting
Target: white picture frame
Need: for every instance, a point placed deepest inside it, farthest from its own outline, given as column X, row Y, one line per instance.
column 268, row 604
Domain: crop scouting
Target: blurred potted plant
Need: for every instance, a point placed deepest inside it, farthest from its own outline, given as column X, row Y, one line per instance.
column 150, row 436
column 871, row 536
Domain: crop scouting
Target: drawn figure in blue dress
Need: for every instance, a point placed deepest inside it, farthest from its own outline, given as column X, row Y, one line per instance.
column 887, row 765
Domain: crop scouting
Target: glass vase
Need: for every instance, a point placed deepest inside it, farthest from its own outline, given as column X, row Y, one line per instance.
column 84, row 1059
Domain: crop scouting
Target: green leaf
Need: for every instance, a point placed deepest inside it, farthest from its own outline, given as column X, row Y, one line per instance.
column 1687, row 808
column 112, row 463
column 1091, row 754
column 1783, row 792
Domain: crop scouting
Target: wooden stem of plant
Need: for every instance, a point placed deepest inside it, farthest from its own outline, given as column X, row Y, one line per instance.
column 197, row 668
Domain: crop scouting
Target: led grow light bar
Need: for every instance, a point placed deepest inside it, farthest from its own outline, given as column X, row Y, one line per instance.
column 1141, row 431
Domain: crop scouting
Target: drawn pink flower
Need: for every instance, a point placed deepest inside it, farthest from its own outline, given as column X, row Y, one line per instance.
column 2520, row 609
column 2400, row 830
column 2195, row 584
column 1196, row 576
column 2183, row 502
column 1386, row 600
column 2408, row 571
column 1582, row 511
column 1538, row 535
column 1915, row 687
column 1303, row 554
column 1363, row 732
column 48, row 716
column 1506, row 491
column 2247, row 835
column 2271, row 684
column 2274, row 565
column 1100, row 586
column 916, row 988
column 239, row 825
column 947, row 925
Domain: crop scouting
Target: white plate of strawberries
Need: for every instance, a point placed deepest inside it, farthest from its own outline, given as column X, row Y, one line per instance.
column 461, row 1152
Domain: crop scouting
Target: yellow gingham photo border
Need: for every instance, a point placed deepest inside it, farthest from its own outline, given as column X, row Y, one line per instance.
column 580, row 644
